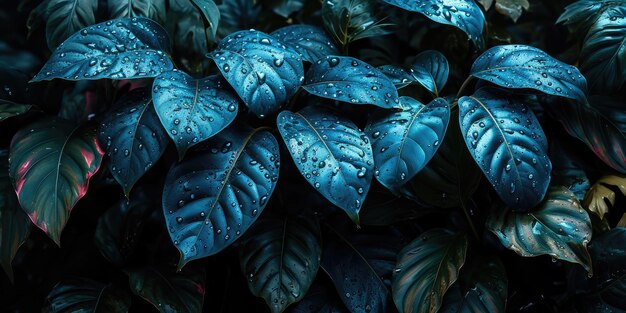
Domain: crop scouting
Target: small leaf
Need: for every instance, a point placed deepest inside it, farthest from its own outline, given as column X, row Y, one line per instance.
column 598, row 195
column 351, row 20
column 262, row 70
column 430, row 69
column 559, row 227
column 170, row 291
column 86, row 295
column 133, row 138
column 66, row 17
column 213, row 196
column 332, row 154
column 508, row 144
column 10, row 109
column 519, row 66
column 426, row 268
column 512, row 8
column 403, row 142
column 211, row 13
column 192, row 110
column 51, row 162
column 309, row 41
column 350, row 80
column 116, row 49
column 463, row 14
column 281, row 259
column 152, row 9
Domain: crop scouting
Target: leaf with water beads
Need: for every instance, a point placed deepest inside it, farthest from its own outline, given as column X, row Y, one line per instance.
column 309, row 41
column 332, row 154
column 116, row 49
column 430, row 69
column 192, row 110
column 213, row 196
column 350, row 80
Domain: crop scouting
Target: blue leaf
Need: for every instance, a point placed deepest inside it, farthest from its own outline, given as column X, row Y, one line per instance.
column 192, row 110
column 264, row 72
column 430, row 69
column 403, row 142
column 508, row 144
column 334, row 156
column 350, row 80
column 213, row 196
column 309, row 41
column 116, row 49
column 133, row 137
column 519, row 66
column 464, row 14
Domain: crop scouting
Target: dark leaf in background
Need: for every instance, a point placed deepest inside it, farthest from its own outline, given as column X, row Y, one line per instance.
column 66, row 17
column 309, row 41
column 319, row 299
column 238, row 15
column 430, row 69
column 10, row 109
column 351, row 20
column 601, row 195
column 211, row 13
column 88, row 296
column 152, row 9
column 287, row 7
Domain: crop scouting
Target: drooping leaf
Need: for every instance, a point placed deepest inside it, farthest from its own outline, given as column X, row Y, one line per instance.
column 262, row 70
column 211, row 13
column 14, row 223
column 426, row 268
column 350, row 80
column 430, row 69
column 559, row 227
column 10, row 109
column 512, row 8
column 463, row 14
column 238, row 15
column 332, row 154
column 603, row 56
column 508, row 144
column 51, row 162
column 66, row 17
column 170, row 291
column 351, row 20
column 598, row 195
column 133, row 138
column 186, row 27
column 281, row 259
column 116, row 49
column 86, row 296
column 213, row 196
column 309, row 41
column 403, row 142
column 152, row 9
column 192, row 110
column 287, row 7
column 520, row 66
column 482, row 287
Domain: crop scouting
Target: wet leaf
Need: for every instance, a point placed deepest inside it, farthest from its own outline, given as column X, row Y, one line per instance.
column 309, row 41
column 430, row 69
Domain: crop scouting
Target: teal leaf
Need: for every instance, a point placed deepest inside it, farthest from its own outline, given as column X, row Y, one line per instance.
column 152, row 9
column 430, row 69
column 10, row 109
column 211, row 13
column 86, row 295
column 309, row 41
column 66, row 17
column 238, row 15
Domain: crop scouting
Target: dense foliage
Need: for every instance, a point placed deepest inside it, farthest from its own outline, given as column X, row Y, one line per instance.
column 318, row 156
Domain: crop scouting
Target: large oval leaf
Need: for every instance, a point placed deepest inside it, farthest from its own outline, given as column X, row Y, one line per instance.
column 133, row 137
column 192, row 110
column 508, row 144
column 464, row 14
column 332, row 154
column 309, row 41
column 350, row 80
column 264, row 72
column 51, row 162
column 86, row 296
column 559, row 227
column 281, row 259
column 403, row 142
column 66, row 17
column 426, row 268
column 152, row 9
column 213, row 196
column 519, row 66
column 116, row 49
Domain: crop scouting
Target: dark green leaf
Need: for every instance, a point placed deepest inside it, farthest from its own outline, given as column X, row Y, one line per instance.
column 82, row 295
column 192, row 110
column 51, row 162
column 287, row 7
column 238, row 15
column 281, row 259
column 264, row 72
column 426, row 268
column 66, row 17
column 211, row 13
column 350, row 20
column 10, row 109
column 512, row 8
column 116, row 49
column 319, row 299
column 309, row 41
column 152, row 9
column 213, row 196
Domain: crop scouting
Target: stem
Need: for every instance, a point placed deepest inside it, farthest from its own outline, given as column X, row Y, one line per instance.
column 469, row 220
column 464, row 86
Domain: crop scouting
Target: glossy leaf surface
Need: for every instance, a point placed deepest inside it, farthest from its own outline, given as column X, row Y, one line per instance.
column 520, row 66
column 350, row 80
column 192, row 110
column 281, row 259
column 116, row 49
column 86, row 296
column 309, row 41
column 133, row 138
column 559, row 227
column 262, row 70
column 332, row 154
column 508, row 144
column 51, row 162
column 66, row 17
column 426, row 268
column 403, row 142
column 213, row 196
